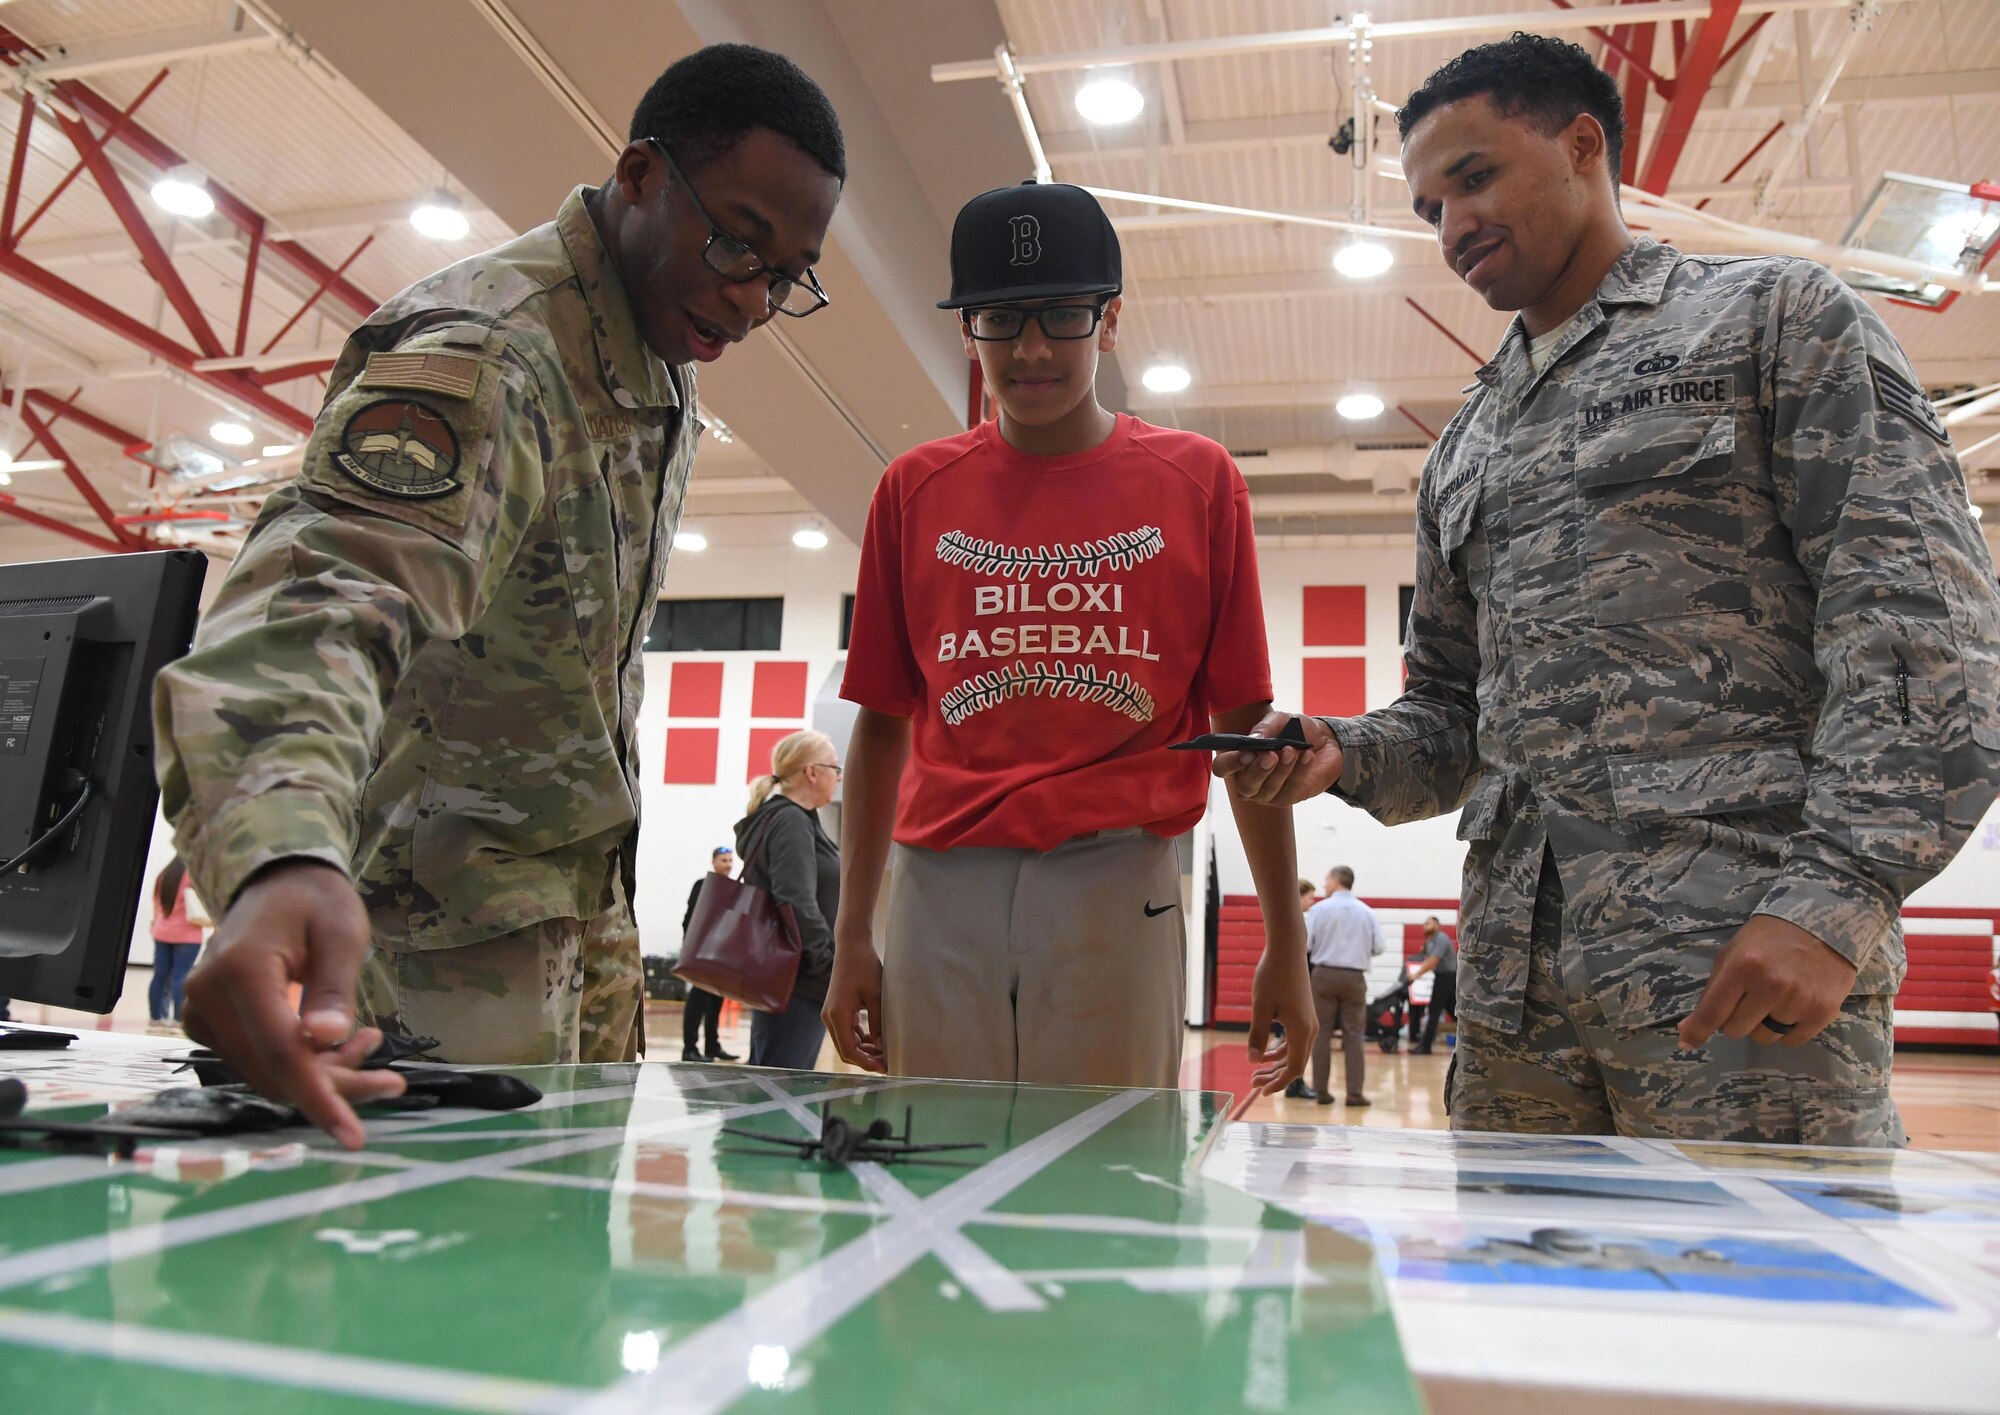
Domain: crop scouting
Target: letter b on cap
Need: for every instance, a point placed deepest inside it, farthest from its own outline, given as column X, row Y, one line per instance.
column 1027, row 239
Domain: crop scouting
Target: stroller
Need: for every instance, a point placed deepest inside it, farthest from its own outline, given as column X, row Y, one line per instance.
column 1384, row 1025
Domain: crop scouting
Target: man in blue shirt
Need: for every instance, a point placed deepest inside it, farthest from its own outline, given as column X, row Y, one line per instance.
column 1440, row 956
column 1342, row 935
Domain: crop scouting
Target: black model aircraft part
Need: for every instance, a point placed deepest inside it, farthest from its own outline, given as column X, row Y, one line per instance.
column 18, row 1131
column 841, row 1143
column 426, row 1086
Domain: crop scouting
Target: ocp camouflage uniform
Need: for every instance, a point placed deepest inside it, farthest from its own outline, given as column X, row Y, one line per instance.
column 424, row 667
column 1703, row 628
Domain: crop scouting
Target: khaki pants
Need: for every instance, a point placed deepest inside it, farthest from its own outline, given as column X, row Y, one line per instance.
column 1065, row 968
column 1340, row 995
column 557, row 992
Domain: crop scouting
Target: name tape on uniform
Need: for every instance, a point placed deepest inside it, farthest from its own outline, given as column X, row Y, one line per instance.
column 1695, row 392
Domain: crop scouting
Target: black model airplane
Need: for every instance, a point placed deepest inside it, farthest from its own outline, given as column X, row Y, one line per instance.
column 841, row 1143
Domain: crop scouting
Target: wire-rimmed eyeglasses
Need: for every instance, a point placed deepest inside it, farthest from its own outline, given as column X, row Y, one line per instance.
column 732, row 259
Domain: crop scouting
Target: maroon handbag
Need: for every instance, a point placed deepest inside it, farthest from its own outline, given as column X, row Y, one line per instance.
column 741, row 943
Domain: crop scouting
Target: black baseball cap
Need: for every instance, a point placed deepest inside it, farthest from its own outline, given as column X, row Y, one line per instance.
column 1032, row 242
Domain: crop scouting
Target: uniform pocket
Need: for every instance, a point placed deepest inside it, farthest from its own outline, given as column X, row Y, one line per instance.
column 1706, row 781
column 1663, row 534
column 1891, row 803
column 1847, row 1115
column 1480, row 824
column 589, row 556
column 1965, row 576
column 1712, row 823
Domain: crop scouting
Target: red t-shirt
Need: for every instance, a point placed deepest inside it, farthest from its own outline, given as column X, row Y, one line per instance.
column 1051, row 624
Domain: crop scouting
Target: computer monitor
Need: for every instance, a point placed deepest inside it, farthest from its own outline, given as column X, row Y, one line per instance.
column 80, row 641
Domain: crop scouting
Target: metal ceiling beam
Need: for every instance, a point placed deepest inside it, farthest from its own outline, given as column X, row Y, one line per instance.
column 67, row 408
column 1861, row 20
column 235, row 385
column 45, row 436
column 152, row 254
column 1763, row 35
column 139, row 51
column 150, row 148
column 1639, row 41
column 11, row 506
column 1692, row 77
column 1330, row 36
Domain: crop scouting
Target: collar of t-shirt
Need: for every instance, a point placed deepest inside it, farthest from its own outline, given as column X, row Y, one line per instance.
column 1014, row 459
column 1543, row 347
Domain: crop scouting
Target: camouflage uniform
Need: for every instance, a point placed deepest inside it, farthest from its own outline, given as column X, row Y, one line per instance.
column 1702, row 619
column 424, row 667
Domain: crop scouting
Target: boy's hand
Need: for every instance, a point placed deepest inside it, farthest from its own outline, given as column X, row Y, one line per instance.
column 1285, row 777
column 853, row 1011
column 1281, row 992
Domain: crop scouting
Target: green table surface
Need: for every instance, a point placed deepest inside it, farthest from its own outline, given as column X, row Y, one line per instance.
column 609, row 1249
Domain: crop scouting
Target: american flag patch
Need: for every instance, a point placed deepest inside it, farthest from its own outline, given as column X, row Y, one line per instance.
column 452, row 375
column 1900, row 395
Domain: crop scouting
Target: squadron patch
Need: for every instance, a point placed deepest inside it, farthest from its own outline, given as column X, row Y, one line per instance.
column 1899, row 395
column 400, row 447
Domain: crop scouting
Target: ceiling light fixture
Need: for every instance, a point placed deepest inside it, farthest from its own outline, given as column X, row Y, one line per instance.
column 1363, row 259
column 1110, row 98
column 1166, row 375
column 440, row 216
column 231, row 434
column 810, row 537
column 8, row 465
column 693, row 542
column 183, row 191
column 281, row 449
column 720, row 430
column 1358, row 407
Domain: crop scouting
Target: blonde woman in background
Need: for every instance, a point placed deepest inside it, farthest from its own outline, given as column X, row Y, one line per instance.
column 785, row 852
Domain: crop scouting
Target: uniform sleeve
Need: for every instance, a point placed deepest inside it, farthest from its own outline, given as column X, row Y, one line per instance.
column 269, row 726
column 1418, row 756
column 1236, row 670
column 882, row 672
column 1905, row 757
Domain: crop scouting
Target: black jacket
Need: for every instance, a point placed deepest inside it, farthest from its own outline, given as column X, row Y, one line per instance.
column 787, row 854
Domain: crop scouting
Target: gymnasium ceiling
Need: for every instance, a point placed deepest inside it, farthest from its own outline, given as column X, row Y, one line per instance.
column 319, row 123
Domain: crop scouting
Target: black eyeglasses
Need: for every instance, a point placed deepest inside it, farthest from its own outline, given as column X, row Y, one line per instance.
column 795, row 295
column 1001, row 323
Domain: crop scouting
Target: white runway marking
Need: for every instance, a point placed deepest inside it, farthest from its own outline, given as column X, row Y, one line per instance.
column 710, row 1369
column 972, row 1265
column 291, row 1366
column 80, row 1254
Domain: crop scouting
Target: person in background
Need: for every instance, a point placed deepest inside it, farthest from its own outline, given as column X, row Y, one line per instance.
column 1342, row 934
column 1440, row 959
column 787, row 854
column 703, row 1010
column 176, row 942
column 1308, row 896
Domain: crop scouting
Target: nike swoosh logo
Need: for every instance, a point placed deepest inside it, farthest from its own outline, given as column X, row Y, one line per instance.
column 1153, row 913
